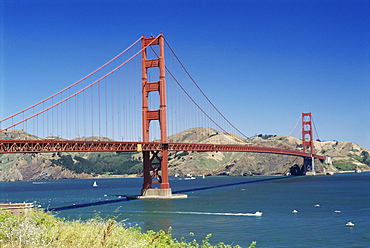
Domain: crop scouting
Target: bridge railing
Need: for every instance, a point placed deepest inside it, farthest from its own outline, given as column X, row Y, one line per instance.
column 36, row 146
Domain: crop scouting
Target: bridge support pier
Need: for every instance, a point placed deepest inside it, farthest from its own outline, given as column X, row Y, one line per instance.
column 156, row 172
column 155, row 163
column 309, row 166
column 307, row 143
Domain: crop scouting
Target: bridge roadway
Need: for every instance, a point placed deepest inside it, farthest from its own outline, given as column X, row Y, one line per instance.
column 36, row 146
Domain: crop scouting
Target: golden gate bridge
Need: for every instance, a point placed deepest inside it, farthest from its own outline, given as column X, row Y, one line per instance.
column 110, row 110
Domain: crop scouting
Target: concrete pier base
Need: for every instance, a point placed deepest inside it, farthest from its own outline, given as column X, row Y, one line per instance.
column 310, row 173
column 158, row 194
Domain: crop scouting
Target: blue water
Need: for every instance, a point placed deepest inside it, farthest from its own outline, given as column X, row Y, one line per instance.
column 214, row 203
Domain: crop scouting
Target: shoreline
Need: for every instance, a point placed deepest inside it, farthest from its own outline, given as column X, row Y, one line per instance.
column 137, row 176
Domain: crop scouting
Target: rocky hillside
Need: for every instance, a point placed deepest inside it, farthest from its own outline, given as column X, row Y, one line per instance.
column 54, row 166
column 346, row 156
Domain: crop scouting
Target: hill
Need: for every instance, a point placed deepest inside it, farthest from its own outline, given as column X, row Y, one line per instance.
column 55, row 166
column 346, row 156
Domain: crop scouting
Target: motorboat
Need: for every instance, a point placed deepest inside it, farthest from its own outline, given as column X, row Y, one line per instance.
column 189, row 177
column 350, row 224
column 258, row 213
column 294, row 211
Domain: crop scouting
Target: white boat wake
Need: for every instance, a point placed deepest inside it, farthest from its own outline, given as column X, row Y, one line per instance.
column 207, row 213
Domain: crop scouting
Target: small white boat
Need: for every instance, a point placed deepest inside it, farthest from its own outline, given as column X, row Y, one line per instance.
column 350, row 224
column 294, row 211
column 317, row 205
column 337, row 211
column 95, row 184
column 258, row 213
column 189, row 178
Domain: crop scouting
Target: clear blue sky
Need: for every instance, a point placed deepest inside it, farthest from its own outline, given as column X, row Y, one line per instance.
column 261, row 62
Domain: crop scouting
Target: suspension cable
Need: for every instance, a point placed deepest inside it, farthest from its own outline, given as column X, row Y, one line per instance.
column 288, row 134
column 192, row 99
column 82, row 90
column 204, row 93
column 73, row 83
column 199, row 107
column 315, row 129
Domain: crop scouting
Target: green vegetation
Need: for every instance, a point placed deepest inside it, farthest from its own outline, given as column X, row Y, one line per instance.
column 181, row 154
column 40, row 229
column 344, row 165
column 266, row 136
column 117, row 164
column 363, row 157
column 335, row 145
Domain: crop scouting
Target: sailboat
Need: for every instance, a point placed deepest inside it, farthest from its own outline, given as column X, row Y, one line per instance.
column 95, row 184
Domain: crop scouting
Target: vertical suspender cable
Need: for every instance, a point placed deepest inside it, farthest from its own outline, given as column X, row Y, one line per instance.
column 84, row 113
column 106, row 106
column 99, row 133
column 92, row 112
column 112, row 105
column 119, row 104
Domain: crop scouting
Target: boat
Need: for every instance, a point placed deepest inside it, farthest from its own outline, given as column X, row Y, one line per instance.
column 189, row 178
column 317, row 205
column 95, row 184
column 337, row 211
column 294, row 211
column 350, row 224
column 258, row 213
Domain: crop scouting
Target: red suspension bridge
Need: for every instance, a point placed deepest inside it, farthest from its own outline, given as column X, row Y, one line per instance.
column 110, row 110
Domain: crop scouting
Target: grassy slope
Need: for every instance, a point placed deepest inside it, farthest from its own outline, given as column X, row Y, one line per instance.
column 40, row 229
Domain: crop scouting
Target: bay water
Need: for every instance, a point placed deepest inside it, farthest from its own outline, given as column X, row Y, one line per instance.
column 216, row 205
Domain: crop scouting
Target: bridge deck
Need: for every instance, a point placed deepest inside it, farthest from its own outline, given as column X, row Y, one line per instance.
column 35, row 146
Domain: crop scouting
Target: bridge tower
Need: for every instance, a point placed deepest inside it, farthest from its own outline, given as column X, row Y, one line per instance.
column 155, row 163
column 307, row 143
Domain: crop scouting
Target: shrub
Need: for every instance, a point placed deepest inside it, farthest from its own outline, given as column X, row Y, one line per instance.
column 40, row 229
